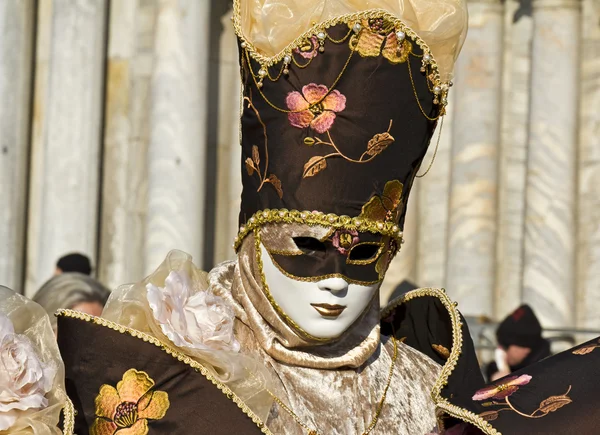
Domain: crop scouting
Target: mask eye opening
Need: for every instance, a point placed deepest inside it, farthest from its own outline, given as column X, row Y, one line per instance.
column 309, row 245
column 364, row 253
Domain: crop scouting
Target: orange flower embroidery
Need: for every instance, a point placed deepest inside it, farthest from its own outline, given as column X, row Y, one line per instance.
column 384, row 207
column 125, row 410
column 379, row 37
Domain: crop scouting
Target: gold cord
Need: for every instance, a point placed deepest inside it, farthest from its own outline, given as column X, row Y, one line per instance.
column 412, row 82
column 331, row 88
column 378, row 409
column 437, row 145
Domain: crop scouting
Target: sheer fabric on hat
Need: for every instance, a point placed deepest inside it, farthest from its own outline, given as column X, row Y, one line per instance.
column 272, row 24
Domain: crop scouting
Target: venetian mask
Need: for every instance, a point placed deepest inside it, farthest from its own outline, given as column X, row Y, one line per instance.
column 321, row 279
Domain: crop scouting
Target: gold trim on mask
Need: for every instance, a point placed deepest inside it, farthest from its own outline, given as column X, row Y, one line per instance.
column 175, row 354
column 362, row 225
column 369, row 260
column 274, row 304
column 457, row 341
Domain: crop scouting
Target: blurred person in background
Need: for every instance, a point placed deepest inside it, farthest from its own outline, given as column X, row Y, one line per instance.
column 74, row 291
column 74, row 262
column 520, row 343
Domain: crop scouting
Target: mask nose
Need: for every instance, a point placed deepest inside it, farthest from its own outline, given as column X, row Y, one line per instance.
column 333, row 285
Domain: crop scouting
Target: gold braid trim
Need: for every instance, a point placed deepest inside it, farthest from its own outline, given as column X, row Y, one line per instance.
column 457, row 341
column 69, row 418
column 268, row 61
column 175, row 354
column 331, row 220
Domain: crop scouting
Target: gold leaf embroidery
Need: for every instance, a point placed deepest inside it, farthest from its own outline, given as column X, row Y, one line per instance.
column 276, row 182
column 249, row 166
column 553, row 403
column 384, row 207
column 255, row 155
column 489, row 415
column 586, row 349
column 441, row 350
column 315, row 165
column 379, row 143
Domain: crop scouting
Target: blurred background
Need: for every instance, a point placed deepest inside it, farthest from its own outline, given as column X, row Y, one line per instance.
column 119, row 140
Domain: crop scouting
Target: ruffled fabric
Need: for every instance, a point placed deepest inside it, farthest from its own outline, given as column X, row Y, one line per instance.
column 176, row 305
column 273, row 24
column 32, row 391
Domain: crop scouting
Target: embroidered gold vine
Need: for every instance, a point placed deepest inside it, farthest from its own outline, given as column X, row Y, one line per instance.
column 253, row 164
column 502, row 391
column 375, row 146
column 199, row 368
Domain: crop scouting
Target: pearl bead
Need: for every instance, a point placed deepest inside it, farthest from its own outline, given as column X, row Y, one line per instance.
column 437, row 89
column 400, row 35
column 321, row 35
column 244, row 45
column 262, row 72
column 242, row 229
column 426, row 57
column 287, row 58
column 380, row 225
column 357, row 27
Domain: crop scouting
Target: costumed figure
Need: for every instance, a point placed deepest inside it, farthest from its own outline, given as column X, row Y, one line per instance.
column 340, row 101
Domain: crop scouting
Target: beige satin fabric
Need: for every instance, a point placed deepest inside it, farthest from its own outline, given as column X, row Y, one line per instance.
column 273, row 24
column 278, row 339
column 333, row 388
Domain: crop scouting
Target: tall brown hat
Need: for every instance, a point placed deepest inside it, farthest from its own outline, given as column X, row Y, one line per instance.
column 335, row 126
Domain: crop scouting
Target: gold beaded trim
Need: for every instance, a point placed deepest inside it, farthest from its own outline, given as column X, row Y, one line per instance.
column 175, row 354
column 267, row 216
column 321, row 28
column 69, row 418
column 457, row 342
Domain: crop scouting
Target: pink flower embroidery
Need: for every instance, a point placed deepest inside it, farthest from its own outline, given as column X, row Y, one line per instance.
column 315, row 107
column 344, row 240
column 309, row 49
column 503, row 389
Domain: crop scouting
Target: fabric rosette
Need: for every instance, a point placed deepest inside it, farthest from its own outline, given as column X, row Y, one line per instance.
column 176, row 305
column 32, row 392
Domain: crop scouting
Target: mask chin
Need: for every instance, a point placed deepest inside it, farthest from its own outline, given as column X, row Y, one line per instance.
column 321, row 309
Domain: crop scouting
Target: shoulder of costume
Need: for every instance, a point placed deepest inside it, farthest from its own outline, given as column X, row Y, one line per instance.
column 551, row 397
column 102, row 357
column 429, row 321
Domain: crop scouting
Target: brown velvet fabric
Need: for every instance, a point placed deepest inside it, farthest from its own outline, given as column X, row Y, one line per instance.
column 560, row 397
column 95, row 355
column 376, row 92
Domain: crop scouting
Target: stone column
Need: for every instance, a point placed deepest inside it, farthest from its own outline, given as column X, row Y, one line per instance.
column 16, row 51
column 550, row 233
column 229, row 178
column 126, row 138
column 474, row 180
column 588, row 241
column 434, row 194
column 66, row 138
column 178, row 131
column 516, row 82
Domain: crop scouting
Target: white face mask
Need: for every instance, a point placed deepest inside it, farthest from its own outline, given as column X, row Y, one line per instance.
column 323, row 309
